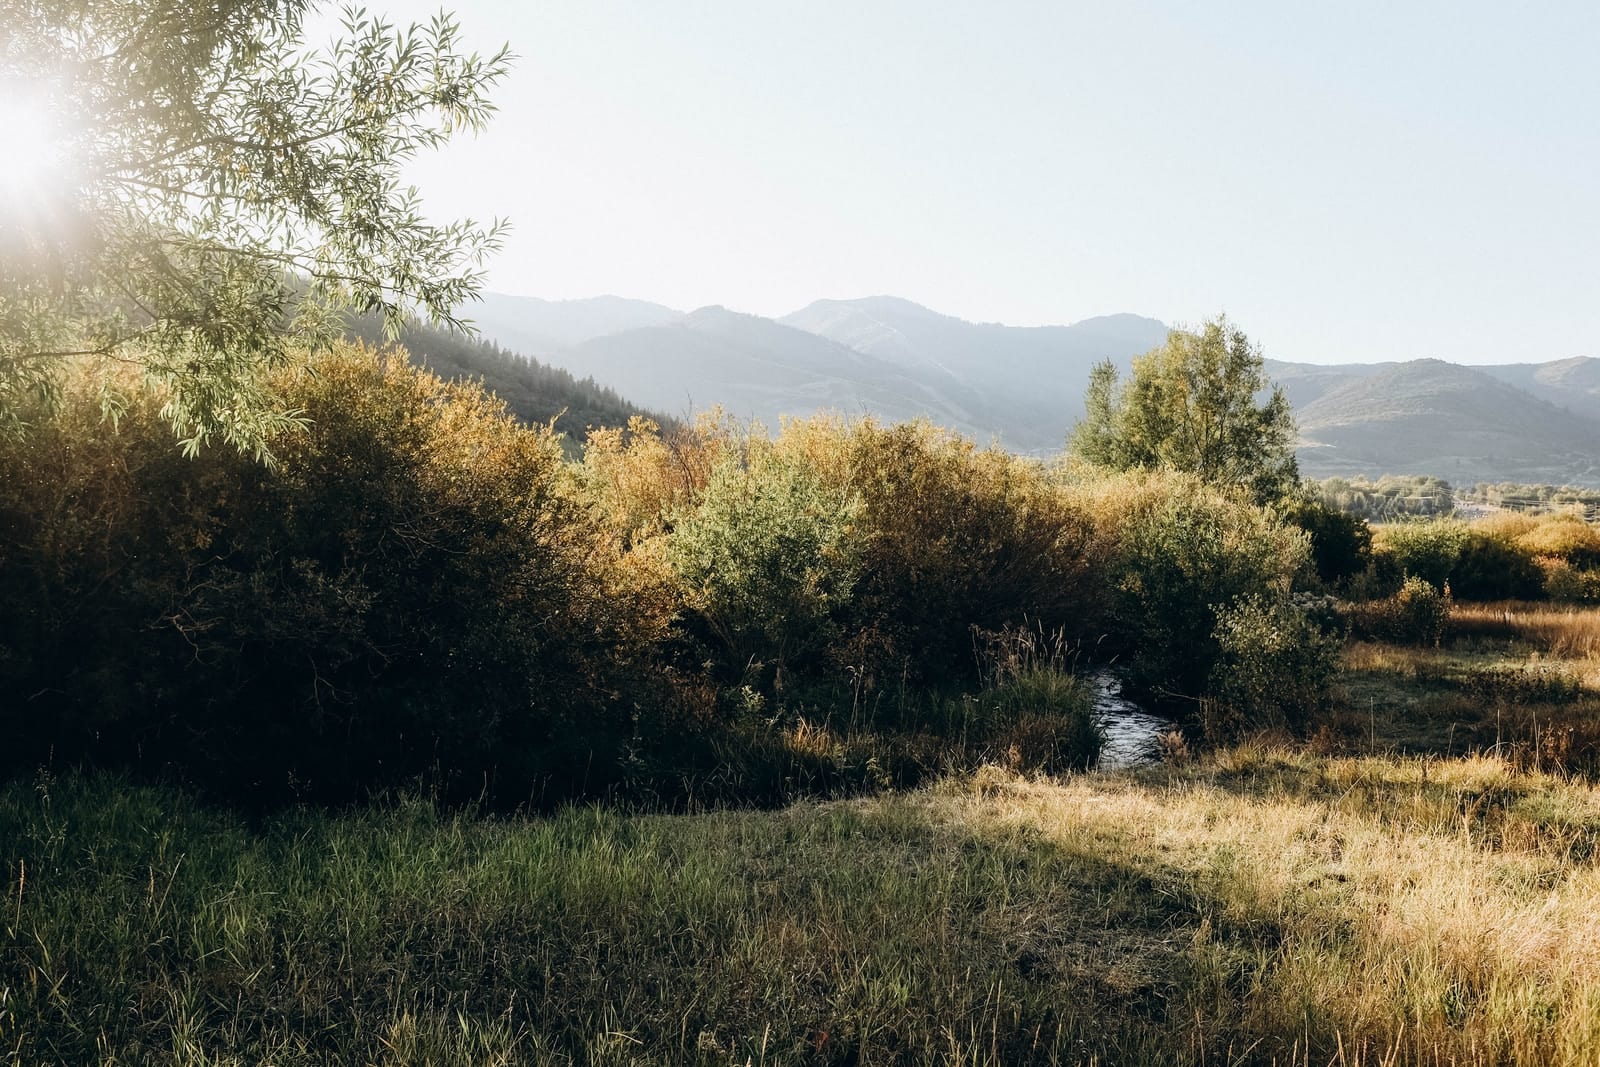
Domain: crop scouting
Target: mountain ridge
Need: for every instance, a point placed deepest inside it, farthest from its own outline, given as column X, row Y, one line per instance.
column 1022, row 386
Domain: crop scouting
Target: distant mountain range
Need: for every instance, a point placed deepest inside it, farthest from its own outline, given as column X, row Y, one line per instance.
column 882, row 356
column 1023, row 386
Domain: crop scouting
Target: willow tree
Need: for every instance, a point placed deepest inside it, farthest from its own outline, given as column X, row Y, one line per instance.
column 1200, row 403
column 193, row 191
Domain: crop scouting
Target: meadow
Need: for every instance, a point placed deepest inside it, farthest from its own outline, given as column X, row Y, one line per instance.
column 1261, row 905
column 439, row 740
column 1414, row 882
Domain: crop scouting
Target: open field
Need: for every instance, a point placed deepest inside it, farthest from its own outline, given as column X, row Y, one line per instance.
column 1413, row 883
column 1520, row 680
column 1260, row 906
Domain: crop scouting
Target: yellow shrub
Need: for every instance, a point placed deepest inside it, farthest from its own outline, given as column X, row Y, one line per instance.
column 1565, row 537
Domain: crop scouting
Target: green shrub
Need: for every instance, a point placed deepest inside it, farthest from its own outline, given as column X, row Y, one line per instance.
column 1426, row 550
column 1273, row 669
column 953, row 537
column 768, row 558
column 1567, row 583
column 1341, row 543
column 1183, row 552
column 1414, row 615
column 1487, row 560
column 1489, row 568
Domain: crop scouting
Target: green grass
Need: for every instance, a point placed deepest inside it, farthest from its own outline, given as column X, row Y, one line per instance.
column 1378, row 895
column 1260, row 906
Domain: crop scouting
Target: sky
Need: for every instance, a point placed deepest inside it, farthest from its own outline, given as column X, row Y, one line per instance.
column 1348, row 182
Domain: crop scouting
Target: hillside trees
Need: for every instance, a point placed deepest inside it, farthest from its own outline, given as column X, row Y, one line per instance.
column 193, row 191
column 1191, row 406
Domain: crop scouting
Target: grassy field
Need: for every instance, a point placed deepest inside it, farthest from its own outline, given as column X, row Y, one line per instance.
column 1261, row 906
column 1414, row 884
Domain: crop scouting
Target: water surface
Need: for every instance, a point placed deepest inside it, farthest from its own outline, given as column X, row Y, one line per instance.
column 1132, row 733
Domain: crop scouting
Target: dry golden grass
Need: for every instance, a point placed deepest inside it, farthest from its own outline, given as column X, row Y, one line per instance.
column 1402, row 911
column 1562, row 631
column 1257, row 906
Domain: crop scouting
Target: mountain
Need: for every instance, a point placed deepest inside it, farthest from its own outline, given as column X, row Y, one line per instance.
column 537, row 327
column 533, row 391
column 903, row 332
column 1572, row 384
column 1464, row 424
column 1037, row 374
column 757, row 368
column 1020, row 386
column 1304, row 383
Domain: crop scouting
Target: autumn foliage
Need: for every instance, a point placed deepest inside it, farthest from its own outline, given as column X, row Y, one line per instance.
column 420, row 588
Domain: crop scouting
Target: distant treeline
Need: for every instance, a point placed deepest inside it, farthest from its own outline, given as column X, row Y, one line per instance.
column 1535, row 498
column 1394, row 497
column 1389, row 498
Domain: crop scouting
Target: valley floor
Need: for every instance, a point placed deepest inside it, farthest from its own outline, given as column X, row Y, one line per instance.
column 1261, row 906
column 1365, row 897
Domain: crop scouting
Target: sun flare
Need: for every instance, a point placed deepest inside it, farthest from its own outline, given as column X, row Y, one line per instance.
column 34, row 140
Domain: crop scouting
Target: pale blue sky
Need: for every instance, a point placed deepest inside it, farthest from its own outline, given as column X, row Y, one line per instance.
column 1350, row 181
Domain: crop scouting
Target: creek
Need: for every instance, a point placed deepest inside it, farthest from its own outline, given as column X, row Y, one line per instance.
column 1132, row 734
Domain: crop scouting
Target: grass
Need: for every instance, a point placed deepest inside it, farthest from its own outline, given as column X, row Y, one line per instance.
column 1259, row 906
column 1520, row 679
column 1415, row 884
column 1562, row 630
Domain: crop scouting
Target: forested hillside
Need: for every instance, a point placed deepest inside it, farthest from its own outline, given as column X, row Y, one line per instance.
column 535, row 392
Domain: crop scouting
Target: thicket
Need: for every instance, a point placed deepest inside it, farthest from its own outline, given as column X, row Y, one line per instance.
column 411, row 588
column 422, row 588
column 1501, row 557
column 1414, row 614
column 1341, row 543
column 1179, row 556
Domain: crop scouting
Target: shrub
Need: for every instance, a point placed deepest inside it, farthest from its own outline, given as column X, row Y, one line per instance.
column 1180, row 562
column 768, row 558
column 1564, row 537
column 1273, row 669
column 1341, row 544
column 1566, row 583
column 953, row 538
column 1179, row 552
column 635, row 477
column 1426, row 550
column 1492, row 569
column 414, row 589
column 1483, row 561
column 1414, row 615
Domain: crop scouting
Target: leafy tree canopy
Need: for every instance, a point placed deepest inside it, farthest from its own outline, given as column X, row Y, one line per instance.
column 198, row 192
column 1191, row 405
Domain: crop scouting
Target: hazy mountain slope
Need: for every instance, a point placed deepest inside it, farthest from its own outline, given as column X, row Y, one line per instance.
column 1573, row 384
column 535, row 392
column 1432, row 417
column 755, row 367
column 1304, row 383
column 903, row 332
column 537, row 327
column 1035, row 375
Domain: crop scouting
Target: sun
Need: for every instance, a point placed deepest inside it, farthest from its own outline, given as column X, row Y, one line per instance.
column 35, row 143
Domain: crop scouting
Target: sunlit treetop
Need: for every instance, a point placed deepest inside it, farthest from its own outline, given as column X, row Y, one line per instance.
column 189, row 188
